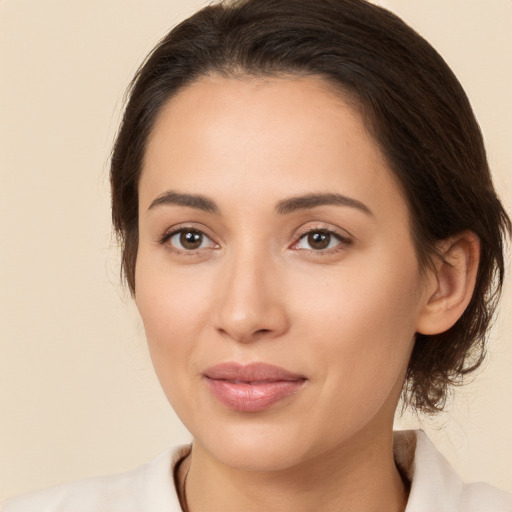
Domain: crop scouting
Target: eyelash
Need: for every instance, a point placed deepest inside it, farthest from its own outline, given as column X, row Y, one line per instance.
column 342, row 241
column 181, row 230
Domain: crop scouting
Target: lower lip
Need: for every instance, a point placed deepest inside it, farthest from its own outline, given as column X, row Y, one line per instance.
column 253, row 397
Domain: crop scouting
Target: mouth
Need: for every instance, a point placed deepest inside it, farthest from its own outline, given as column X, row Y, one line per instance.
column 253, row 387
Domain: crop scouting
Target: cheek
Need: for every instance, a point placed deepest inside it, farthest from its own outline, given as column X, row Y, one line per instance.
column 370, row 296
column 169, row 298
column 172, row 315
column 363, row 325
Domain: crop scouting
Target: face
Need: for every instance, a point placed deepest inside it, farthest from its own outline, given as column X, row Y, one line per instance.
column 276, row 275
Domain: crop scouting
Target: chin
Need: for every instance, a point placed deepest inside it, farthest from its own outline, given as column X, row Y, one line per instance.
column 247, row 442
column 257, row 456
column 261, row 446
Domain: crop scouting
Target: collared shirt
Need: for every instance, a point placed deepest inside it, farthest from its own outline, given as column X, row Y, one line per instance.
column 434, row 486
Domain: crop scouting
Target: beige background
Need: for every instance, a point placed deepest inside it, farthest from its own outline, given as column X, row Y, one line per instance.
column 77, row 393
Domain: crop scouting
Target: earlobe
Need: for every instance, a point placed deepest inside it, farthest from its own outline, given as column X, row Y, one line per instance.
column 451, row 284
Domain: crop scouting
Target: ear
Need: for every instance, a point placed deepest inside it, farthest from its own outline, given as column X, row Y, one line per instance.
column 450, row 285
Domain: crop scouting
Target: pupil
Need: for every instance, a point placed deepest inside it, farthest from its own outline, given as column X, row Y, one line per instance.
column 319, row 240
column 191, row 239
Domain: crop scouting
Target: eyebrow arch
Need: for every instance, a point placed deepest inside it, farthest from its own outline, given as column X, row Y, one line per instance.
column 313, row 200
column 189, row 200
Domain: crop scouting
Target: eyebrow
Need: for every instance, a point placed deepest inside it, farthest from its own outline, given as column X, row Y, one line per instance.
column 283, row 207
column 190, row 200
column 314, row 200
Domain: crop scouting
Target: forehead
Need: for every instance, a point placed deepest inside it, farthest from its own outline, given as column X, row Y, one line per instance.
column 267, row 136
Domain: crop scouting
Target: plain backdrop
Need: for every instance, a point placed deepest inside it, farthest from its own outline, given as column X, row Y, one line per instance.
column 77, row 392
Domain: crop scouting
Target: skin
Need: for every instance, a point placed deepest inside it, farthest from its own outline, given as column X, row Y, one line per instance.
column 258, row 290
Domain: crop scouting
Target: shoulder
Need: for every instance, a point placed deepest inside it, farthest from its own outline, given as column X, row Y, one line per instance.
column 147, row 488
column 436, row 486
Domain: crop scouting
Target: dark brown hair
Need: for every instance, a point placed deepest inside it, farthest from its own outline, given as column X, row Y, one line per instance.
column 412, row 103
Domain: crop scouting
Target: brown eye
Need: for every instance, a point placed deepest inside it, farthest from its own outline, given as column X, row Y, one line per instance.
column 319, row 240
column 189, row 240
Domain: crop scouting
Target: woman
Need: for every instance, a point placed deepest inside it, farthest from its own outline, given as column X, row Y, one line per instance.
column 309, row 231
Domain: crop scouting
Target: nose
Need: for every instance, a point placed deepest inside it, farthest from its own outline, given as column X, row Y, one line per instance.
column 251, row 303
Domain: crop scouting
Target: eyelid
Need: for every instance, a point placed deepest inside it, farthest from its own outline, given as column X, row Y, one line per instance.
column 322, row 226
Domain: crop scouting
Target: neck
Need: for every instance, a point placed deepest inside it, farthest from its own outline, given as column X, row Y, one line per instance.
column 359, row 476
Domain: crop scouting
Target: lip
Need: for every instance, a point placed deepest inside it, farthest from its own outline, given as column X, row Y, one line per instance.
column 253, row 387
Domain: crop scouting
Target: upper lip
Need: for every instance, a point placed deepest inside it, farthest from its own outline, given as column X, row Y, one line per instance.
column 253, row 372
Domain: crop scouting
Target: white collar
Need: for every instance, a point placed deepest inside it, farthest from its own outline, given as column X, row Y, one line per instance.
column 435, row 487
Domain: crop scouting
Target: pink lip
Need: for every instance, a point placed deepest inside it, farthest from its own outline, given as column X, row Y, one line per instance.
column 253, row 387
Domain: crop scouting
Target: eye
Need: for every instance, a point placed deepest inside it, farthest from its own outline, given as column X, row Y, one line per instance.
column 320, row 240
column 188, row 240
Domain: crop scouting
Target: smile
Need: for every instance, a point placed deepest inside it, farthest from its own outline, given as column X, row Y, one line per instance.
column 251, row 388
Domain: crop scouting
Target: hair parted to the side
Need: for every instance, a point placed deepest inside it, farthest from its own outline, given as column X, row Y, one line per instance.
column 413, row 106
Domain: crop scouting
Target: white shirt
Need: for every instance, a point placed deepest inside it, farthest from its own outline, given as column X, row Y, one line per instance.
column 434, row 486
